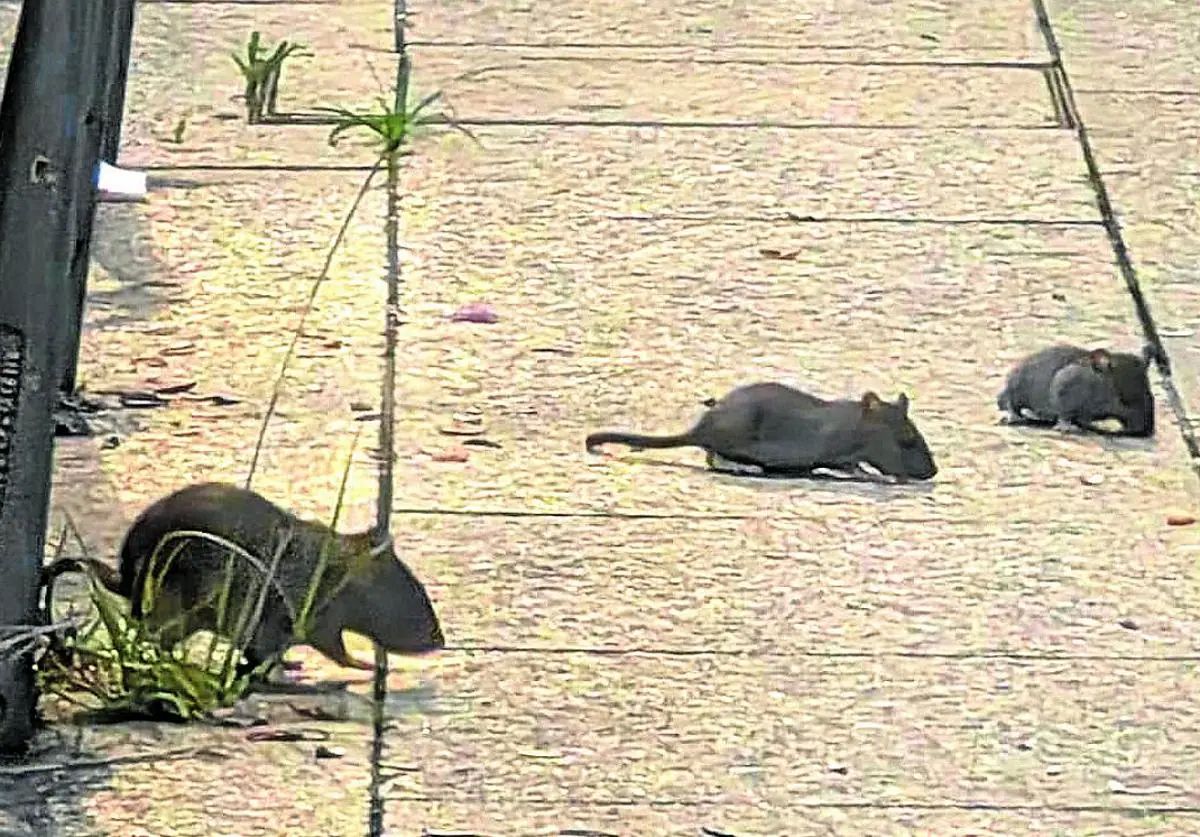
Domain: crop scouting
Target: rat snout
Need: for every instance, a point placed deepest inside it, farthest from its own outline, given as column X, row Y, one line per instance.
column 418, row 638
column 924, row 471
column 1139, row 420
column 919, row 464
column 436, row 640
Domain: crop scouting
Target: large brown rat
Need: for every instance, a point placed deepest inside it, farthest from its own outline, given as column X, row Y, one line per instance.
column 1072, row 388
column 364, row 587
column 785, row 431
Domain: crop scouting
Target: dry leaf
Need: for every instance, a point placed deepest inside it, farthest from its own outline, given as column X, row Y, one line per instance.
column 475, row 312
column 454, row 454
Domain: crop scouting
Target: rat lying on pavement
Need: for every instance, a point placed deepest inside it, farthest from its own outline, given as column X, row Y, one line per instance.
column 364, row 587
column 1071, row 388
column 784, row 431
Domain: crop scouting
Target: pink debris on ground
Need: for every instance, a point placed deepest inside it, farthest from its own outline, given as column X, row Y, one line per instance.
column 475, row 312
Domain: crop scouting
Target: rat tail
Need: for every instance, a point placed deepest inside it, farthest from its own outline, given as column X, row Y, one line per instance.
column 103, row 573
column 637, row 442
column 108, row 577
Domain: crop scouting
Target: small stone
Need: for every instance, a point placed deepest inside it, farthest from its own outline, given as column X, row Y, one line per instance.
column 1092, row 479
column 1128, row 624
column 835, row 767
column 323, row 752
column 1180, row 520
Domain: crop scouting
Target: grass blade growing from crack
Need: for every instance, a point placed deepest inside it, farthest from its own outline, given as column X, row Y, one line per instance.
column 287, row 358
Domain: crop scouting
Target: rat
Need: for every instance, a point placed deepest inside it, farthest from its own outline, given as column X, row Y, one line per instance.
column 782, row 430
column 364, row 587
column 1072, row 387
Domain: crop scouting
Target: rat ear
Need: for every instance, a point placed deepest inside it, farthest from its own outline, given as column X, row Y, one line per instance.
column 871, row 402
column 902, row 403
column 1100, row 359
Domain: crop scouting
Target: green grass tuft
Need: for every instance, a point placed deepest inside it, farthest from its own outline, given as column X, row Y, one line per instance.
column 261, row 70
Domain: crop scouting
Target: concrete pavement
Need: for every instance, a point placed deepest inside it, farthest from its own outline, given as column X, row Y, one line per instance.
column 644, row 647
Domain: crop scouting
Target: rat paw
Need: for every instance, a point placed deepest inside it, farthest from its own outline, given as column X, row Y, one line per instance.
column 1068, row 427
column 719, row 463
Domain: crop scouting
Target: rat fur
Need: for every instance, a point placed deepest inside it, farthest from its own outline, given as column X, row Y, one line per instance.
column 1072, row 388
column 364, row 588
column 785, row 431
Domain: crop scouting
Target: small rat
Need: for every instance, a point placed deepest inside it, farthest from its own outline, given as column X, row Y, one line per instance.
column 782, row 430
column 1071, row 387
column 364, row 588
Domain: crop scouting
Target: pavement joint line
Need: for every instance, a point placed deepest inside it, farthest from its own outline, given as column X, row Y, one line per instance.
column 648, row 45
column 1062, row 112
column 701, row 218
column 1135, row 91
column 802, row 62
column 967, row 520
column 963, row 656
column 751, row 124
column 253, row 167
column 393, row 321
column 305, row 119
column 237, row 2
column 1117, row 240
column 865, row 219
column 853, row 805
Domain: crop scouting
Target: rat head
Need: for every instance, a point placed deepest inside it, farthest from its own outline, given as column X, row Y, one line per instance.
column 1127, row 388
column 391, row 605
column 894, row 445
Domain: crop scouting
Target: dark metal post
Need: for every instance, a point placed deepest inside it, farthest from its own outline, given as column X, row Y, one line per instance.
column 50, row 130
column 113, row 45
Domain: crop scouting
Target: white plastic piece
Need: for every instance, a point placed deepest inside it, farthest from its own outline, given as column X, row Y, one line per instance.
column 116, row 184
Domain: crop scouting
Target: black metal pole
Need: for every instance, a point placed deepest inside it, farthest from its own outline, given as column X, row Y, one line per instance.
column 113, row 62
column 50, row 129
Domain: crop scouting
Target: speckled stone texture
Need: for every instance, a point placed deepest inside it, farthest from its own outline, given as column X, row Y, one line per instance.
column 670, row 199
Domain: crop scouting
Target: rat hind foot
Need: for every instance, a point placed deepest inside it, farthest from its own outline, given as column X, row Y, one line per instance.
column 1069, row 427
column 727, row 466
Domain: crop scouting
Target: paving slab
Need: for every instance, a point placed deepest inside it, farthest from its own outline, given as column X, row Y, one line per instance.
column 937, row 29
column 219, row 783
column 494, row 817
column 759, row 174
column 577, row 728
column 1140, row 45
column 1147, row 146
column 842, row 676
column 1136, row 71
column 182, row 72
column 215, row 280
column 842, row 317
column 10, row 13
column 589, row 354
column 845, row 583
column 529, row 84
